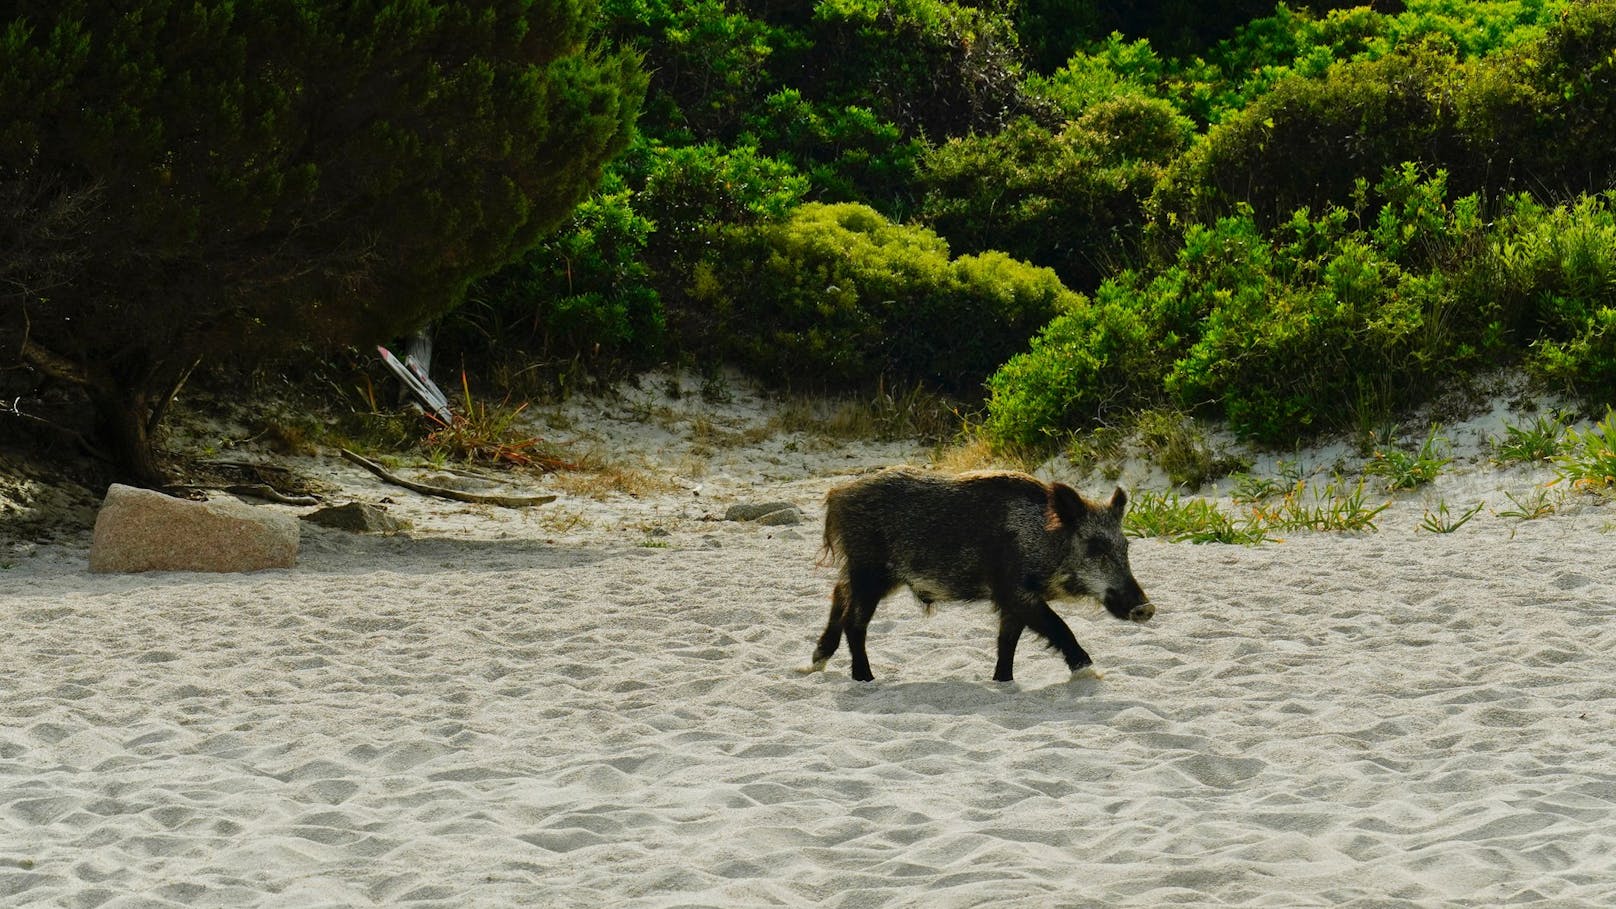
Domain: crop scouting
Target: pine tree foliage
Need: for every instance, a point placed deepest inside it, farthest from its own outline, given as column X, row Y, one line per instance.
column 183, row 180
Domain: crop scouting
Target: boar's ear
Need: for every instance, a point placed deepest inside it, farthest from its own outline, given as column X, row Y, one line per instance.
column 1119, row 502
column 1069, row 507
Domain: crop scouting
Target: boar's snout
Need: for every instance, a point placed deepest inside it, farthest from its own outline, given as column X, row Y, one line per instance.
column 1128, row 602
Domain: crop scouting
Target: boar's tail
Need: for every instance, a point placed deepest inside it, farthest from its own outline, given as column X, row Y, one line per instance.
column 830, row 551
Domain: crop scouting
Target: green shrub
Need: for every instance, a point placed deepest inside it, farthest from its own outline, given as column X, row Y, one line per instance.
column 582, row 295
column 933, row 67
column 690, row 193
column 1297, row 361
column 693, row 196
column 1571, row 72
column 1294, row 42
column 1548, row 276
column 1114, row 68
column 1132, row 129
column 838, row 296
column 847, row 152
column 708, row 65
column 1534, row 443
column 1589, row 457
column 1321, row 322
column 1090, row 362
column 1498, row 94
column 1586, row 363
column 1070, row 200
column 1305, row 142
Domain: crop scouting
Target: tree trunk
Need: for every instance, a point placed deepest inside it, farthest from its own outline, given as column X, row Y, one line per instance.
column 124, row 413
column 122, row 419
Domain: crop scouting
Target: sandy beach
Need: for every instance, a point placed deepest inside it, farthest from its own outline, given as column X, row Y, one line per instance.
column 595, row 704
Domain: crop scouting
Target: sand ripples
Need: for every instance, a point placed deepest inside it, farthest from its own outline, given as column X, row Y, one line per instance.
column 1387, row 720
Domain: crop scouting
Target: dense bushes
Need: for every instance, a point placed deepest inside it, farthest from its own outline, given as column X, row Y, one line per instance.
column 1089, row 363
column 1253, row 242
column 583, row 296
column 1296, row 222
column 932, row 67
column 1306, row 141
column 606, row 292
column 1552, row 274
column 1332, row 320
column 708, row 63
column 1500, row 95
column 1070, row 200
column 846, row 152
column 837, row 296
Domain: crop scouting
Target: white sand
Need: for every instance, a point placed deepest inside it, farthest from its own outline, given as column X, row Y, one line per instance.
column 535, row 709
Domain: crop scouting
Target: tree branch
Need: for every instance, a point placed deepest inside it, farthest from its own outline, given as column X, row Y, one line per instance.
column 424, row 489
column 52, row 364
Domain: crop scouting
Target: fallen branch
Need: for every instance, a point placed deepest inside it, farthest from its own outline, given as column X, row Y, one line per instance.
column 266, row 491
column 424, row 489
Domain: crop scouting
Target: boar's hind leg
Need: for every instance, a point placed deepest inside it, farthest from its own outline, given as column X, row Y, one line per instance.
column 865, row 588
column 832, row 638
column 1043, row 620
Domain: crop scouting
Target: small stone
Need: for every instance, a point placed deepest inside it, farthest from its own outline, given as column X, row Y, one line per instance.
column 788, row 515
column 357, row 517
column 752, row 511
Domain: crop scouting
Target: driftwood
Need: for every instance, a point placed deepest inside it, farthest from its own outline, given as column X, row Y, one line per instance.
column 266, row 491
column 424, row 489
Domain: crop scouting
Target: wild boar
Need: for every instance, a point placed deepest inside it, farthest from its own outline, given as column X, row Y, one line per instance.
column 1001, row 536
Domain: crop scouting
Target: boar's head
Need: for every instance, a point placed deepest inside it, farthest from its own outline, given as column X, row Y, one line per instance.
column 1095, row 562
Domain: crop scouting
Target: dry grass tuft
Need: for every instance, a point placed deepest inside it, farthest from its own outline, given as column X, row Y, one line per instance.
column 594, row 476
column 975, row 453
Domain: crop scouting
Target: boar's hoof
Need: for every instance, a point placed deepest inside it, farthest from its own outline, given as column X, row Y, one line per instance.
column 811, row 668
column 1086, row 672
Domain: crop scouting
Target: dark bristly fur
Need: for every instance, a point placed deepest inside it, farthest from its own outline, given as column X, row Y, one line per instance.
column 1000, row 536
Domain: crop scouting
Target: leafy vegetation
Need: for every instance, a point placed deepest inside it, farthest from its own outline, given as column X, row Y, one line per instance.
column 1334, row 508
column 489, row 434
column 837, row 296
column 1443, row 521
column 1166, row 515
column 1411, row 469
column 1535, row 505
column 1589, row 457
column 1293, row 219
column 1534, row 443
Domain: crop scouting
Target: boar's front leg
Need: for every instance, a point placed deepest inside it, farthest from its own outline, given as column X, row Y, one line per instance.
column 865, row 588
column 1024, row 609
column 1009, row 634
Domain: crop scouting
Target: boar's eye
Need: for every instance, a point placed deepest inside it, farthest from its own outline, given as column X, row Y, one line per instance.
column 1098, row 546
